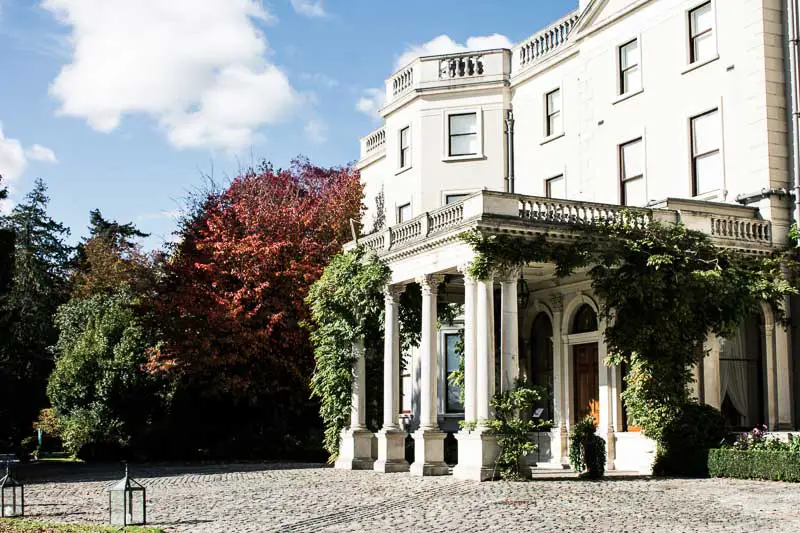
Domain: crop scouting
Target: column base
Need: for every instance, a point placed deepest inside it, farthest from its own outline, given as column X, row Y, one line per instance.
column 355, row 450
column 429, row 453
column 477, row 454
column 391, row 451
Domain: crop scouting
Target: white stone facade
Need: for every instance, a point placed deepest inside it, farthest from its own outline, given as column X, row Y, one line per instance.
column 678, row 107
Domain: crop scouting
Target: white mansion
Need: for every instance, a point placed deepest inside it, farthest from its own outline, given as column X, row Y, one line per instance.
column 679, row 108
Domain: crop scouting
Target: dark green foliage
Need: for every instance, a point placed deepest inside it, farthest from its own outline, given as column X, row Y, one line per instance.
column 39, row 286
column 754, row 464
column 513, row 428
column 663, row 289
column 587, row 451
column 686, row 440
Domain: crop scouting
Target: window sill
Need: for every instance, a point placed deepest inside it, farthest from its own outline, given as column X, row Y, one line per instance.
column 716, row 194
column 470, row 157
column 552, row 138
column 697, row 64
column 400, row 171
column 627, row 96
column 452, row 415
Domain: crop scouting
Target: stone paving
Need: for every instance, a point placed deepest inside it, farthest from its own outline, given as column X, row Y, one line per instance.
column 295, row 498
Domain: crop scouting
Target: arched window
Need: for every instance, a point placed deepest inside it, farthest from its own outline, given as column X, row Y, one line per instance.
column 585, row 320
column 540, row 372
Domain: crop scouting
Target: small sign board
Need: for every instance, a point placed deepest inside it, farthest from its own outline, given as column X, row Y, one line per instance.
column 538, row 412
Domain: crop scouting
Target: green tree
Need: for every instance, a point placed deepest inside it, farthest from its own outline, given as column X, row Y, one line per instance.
column 101, row 390
column 39, row 286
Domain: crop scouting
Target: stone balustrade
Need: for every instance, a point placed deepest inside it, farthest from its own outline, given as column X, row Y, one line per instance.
column 520, row 213
column 461, row 66
column 546, row 41
column 374, row 143
column 402, row 81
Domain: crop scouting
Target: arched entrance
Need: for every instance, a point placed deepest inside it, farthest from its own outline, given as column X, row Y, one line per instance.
column 743, row 389
column 540, row 362
column 586, row 375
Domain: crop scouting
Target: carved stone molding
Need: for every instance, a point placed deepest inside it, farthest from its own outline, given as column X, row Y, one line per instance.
column 430, row 282
column 557, row 303
column 392, row 292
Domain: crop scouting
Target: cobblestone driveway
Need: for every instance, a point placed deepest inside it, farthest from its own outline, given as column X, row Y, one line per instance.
column 262, row 498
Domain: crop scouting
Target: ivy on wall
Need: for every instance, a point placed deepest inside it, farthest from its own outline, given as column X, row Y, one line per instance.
column 662, row 289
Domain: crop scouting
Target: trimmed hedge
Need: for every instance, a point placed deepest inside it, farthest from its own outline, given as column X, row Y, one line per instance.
column 754, row 464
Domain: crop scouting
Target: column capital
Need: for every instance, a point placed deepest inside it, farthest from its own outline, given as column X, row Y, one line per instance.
column 508, row 275
column 557, row 303
column 464, row 269
column 392, row 292
column 430, row 282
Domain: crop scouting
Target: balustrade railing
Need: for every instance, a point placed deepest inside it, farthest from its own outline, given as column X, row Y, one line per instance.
column 741, row 229
column 565, row 212
column 403, row 81
column 406, row 232
column 445, row 217
column 547, row 40
column 374, row 141
column 461, row 66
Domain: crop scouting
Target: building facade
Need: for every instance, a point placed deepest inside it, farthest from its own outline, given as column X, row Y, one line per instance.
column 670, row 110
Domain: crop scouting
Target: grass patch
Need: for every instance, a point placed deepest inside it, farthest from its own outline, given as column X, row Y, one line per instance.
column 12, row 525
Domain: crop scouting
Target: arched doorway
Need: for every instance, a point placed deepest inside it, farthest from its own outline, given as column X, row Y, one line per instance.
column 742, row 375
column 540, row 363
column 585, row 371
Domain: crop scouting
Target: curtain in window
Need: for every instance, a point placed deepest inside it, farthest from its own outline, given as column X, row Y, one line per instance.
column 734, row 372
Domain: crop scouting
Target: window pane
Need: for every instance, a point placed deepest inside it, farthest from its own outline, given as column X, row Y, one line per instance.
column 404, row 159
column 708, row 173
column 463, row 124
column 635, row 194
column 702, row 19
column 629, row 55
column 706, row 133
column 453, row 362
column 404, row 213
column 632, row 159
column 554, row 124
column 453, row 198
column 404, row 137
column 631, row 80
column 554, row 102
column 464, row 144
column 556, row 187
column 703, row 47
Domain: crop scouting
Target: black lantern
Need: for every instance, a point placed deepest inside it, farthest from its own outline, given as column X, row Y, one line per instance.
column 12, row 496
column 126, row 502
column 523, row 292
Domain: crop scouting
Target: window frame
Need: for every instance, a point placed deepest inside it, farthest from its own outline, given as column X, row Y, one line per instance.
column 445, row 381
column 404, row 152
column 692, row 37
column 450, row 134
column 549, row 133
column 693, row 157
column 621, row 71
column 399, row 211
column 623, row 179
column 549, row 181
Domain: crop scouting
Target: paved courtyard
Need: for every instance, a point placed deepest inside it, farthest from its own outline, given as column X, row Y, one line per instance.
column 262, row 498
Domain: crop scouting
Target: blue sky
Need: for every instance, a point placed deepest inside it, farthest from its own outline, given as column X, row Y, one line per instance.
column 124, row 105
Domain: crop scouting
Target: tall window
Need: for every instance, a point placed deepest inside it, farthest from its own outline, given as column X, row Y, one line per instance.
column 554, row 124
column 405, row 147
column 556, row 187
column 630, row 75
column 631, row 170
column 463, row 131
column 706, row 156
column 701, row 33
column 403, row 213
column 454, row 198
column 453, row 403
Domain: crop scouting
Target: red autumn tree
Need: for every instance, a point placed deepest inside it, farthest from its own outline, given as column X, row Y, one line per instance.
column 232, row 294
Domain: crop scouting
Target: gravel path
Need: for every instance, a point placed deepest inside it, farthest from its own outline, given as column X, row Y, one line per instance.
column 262, row 498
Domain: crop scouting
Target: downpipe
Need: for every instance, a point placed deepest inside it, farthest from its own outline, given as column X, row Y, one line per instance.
column 794, row 100
column 509, row 151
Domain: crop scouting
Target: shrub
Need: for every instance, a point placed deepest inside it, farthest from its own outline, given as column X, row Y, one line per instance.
column 756, row 439
column 754, row 464
column 683, row 449
column 587, row 451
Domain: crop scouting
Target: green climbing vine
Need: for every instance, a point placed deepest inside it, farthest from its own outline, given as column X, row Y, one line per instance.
column 663, row 288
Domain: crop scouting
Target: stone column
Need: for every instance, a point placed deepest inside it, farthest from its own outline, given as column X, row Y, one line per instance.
column 470, row 355
column 560, row 435
column 605, row 424
column 478, row 450
column 355, row 446
column 783, row 363
column 509, row 331
column 391, row 439
column 772, row 376
column 428, row 439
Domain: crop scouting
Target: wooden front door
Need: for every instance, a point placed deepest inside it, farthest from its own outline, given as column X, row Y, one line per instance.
column 586, row 382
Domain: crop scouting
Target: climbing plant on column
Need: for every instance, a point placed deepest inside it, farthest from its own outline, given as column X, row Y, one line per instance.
column 663, row 289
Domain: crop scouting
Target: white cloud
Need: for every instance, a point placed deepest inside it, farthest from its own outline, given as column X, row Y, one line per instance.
column 12, row 158
column 316, row 131
column 199, row 69
column 443, row 44
column 309, row 8
column 37, row 152
column 371, row 102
